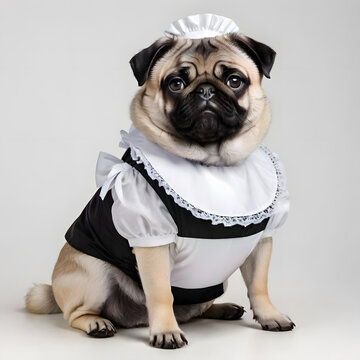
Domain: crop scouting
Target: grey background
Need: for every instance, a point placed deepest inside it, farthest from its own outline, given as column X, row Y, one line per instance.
column 65, row 90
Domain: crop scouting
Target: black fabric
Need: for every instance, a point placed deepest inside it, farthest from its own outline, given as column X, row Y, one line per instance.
column 196, row 296
column 188, row 225
column 94, row 233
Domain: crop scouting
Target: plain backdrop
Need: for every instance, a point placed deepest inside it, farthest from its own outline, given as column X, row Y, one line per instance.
column 65, row 89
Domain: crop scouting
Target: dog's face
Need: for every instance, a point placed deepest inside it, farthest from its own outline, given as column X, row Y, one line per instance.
column 202, row 98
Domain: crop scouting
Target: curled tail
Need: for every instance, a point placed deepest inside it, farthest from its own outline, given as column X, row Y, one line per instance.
column 40, row 300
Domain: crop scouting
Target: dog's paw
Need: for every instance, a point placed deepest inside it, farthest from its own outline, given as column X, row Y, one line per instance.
column 224, row 311
column 169, row 340
column 274, row 321
column 233, row 311
column 101, row 328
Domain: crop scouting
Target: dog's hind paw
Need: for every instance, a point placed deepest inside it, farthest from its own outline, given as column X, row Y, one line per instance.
column 224, row 311
column 101, row 328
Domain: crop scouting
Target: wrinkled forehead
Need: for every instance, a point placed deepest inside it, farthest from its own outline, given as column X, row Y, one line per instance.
column 213, row 56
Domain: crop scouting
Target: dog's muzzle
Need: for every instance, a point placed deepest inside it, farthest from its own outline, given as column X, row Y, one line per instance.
column 207, row 115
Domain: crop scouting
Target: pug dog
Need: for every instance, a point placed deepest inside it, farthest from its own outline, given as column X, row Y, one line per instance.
column 202, row 100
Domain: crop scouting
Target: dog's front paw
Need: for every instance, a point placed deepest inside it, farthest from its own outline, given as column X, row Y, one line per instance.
column 274, row 321
column 168, row 340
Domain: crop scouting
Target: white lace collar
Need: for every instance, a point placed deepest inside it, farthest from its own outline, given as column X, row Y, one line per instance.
column 242, row 194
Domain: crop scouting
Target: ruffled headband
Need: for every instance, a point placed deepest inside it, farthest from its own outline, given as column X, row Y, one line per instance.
column 201, row 26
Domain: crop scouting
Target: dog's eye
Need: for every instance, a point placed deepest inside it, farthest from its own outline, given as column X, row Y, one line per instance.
column 176, row 85
column 234, row 82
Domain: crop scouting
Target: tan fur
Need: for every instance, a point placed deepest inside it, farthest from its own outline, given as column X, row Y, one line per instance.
column 155, row 268
column 72, row 275
column 255, row 273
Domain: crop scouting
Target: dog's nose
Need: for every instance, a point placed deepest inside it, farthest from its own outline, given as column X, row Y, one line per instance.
column 206, row 91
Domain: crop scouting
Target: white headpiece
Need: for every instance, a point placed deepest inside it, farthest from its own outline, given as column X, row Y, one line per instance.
column 201, row 26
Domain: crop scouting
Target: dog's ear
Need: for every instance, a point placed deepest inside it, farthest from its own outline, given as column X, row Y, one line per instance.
column 261, row 54
column 143, row 61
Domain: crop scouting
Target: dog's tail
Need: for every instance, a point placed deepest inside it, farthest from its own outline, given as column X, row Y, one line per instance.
column 40, row 300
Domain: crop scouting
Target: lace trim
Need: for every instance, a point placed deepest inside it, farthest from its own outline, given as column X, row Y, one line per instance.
column 215, row 219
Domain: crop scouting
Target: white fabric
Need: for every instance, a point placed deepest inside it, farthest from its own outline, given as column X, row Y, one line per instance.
column 239, row 194
column 279, row 216
column 205, row 262
column 138, row 213
column 201, row 25
column 108, row 167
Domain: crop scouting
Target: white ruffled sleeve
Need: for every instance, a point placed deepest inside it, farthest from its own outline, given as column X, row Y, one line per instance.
column 282, row 204
column 279, row 216
column 138, row 213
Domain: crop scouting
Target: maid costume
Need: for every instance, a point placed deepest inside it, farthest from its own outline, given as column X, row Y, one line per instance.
column 213, row 216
